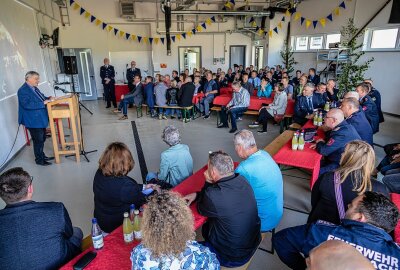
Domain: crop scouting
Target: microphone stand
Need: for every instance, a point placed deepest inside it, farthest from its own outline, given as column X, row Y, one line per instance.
column 83, row 151
column 78, row 94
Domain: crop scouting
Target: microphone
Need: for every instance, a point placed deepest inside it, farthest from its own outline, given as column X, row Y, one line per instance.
column 59, row 88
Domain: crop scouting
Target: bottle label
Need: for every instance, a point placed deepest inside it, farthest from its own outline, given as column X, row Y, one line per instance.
column 128, row 237
column 98, row 242
column 138, row 234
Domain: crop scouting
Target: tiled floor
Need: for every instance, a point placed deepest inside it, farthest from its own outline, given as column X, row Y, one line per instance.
column 71, row 182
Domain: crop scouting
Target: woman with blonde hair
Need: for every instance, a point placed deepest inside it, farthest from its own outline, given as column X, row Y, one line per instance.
column 168, row 237
column 333, row 191
column 114, row 191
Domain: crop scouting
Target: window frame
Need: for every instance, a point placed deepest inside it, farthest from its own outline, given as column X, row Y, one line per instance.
column 368, row 39
column 324, row 37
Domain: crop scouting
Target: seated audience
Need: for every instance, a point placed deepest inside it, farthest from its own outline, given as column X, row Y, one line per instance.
column 331, row 91
column 264, row 176
column 368, row 106
column 114, row 191
column 176, row 162
column 230, row 75
column 340, row 133
column 254, row 80
column 277, row 107
column 193, row 74
column 376, row 97
column 236, row 106
column 392, row 159
column 149, row 94
column 271, row 80
column 232, row 230
column 246, row 84
column 237, row 77
column 296, row 80
column 168, row 237
column 210, row 89
column 306, row 104
column 353, row 177
column 264, row 89
column 369, row 220
column 288, row 88
column 134, row 96
column 298, row 90
column 172, row 100
column 356, row 117
column 160, row 91
column 321, row 89
column 185, row 93
column 197, row 85
column 313, row 77
column 34, row 235
column 175, row 76
column 182, row 78
column 222, row 80
column 277, row 74
column 337, row 255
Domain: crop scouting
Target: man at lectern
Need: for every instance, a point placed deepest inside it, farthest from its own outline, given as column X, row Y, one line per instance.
column 32, row 113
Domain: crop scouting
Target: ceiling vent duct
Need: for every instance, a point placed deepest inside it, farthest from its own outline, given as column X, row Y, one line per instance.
column 127, row 9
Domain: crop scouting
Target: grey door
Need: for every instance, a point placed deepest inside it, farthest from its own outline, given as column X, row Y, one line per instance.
column 84, row 81
column 237, row 55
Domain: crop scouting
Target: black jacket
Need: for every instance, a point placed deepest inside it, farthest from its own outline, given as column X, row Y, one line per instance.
column 302, row 109
column 112, row 197
column 107, row 72
column 35, row 235
column 172, row 96
column 233, row 225
column 323, row 200
column 185, row 94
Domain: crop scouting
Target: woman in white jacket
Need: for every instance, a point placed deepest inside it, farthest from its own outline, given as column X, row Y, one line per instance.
column 278, row 106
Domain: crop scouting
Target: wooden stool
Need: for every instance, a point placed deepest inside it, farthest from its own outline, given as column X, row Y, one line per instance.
column 59, row 110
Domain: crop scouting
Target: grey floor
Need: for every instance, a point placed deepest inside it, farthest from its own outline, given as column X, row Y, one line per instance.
column 71, row 182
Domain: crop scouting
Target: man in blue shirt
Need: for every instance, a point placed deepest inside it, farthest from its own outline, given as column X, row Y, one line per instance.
column 367, row 224
column 264, row 176
column 210, row 89
column 32, row 113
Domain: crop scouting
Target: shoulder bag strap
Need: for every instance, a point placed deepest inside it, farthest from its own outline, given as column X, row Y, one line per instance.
column 339, row 195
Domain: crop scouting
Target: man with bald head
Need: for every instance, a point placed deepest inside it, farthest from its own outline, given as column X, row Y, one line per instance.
column 337, row 255
column 340, row 133
column 356, row 117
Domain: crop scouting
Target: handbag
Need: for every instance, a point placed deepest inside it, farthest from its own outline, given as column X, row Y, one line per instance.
column 339, row 195
column 278, row 117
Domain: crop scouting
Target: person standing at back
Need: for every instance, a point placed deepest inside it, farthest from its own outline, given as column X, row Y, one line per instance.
column 131, row 73
column 107, row 74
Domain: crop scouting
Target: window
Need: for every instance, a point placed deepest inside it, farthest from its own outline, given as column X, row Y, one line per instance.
column 332, row 38
column 384, row 39
column 301, row 43
column 316, row 42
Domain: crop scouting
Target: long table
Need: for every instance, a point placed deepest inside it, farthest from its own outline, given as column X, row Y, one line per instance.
column 255, row 102
column 116, row 253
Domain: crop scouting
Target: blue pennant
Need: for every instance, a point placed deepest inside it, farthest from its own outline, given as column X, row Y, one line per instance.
column 251, row 20
column 257, row 28
column 173, row 38
column 204, row 25
column 115, row 31
column 71, row 2
column 283, row 19
column 92, row 18
column 293, row 10
column 213, row 18
column 104, row 25
column 151, row 40
column 82, row 11
column 162, row 40
column 127, row 36
column 330, row 17
column 194, row 31
column 302, row 19
column 276, row 30
column 184, row 35
column 139, row 38
column 342, row 5
column 315, row 23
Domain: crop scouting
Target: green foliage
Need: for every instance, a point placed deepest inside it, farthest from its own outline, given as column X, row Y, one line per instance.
column 287, row 58
column 352, row 72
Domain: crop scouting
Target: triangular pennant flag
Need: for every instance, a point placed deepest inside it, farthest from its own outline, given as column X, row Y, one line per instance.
column 213, row 18
column 71, row 2
column 297, row 16
column 287, row 13
column 98, row 22
column 283, row 19
column 92, row 18
column 228, row 5
column 315, row 23
column 194, row 31
column 251, row 20
column 254, row 24
column 115, row 31
column 87, row 14
column 342, row 5
column 260, row 32
column 322, row 21
column 162, row 40
column 204, row 25
column 184, row 35
column 276, row 30
column 232, row 2
column 224, row 8
column 104, row 25
column 139, row 38
column 121, row 33
column 208, row 21
column 178, row 37
column 109, row 28
column 330, row 17
column 189, row 33
column 127, row 36
column 76, row 6
column 82, row 11
column 173, row 38
column 156, row 40
column 280, row 25
column 145, row 39
column 133, row 37
column 336, row 11
column 270, row 33
column 302, row 19
column 198, row 28
column 151, row 40
column 257, row 28
column 293, row 10
column 308, row 23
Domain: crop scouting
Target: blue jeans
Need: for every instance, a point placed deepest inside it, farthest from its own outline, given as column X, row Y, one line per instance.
column 204, row 104
column 234, row 113
column 124, row 104
column 385, row 165
column 223, row 262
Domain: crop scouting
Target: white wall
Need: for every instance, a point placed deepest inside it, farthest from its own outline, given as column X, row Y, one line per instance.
column 384, row 70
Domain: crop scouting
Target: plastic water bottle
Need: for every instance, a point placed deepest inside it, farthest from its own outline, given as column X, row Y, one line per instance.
column 301, row 141
column 127, row 229
column 295, row 141
column 327, row 106
column 132, row 212
column 137, row 226
column 315, row 121
column 320, row 119
column 97, row 235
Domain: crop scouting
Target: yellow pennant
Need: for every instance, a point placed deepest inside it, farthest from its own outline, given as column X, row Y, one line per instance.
column 178, row 36
column 121, row 33
column 208, row 21
column 198, row 28
column 156, row 40
column 145, row 39
column 280, row 25
column 228, row 5
column 76, row 6
column 109, row 28
column 254, row 24
column 297, row 16
column 336, row 11
column 270, row 33
column 322, row 21
column 308, row 23
column 98, row 22
column 189, row 33
column 133, row 37
column 87, row 14
column 287, row 14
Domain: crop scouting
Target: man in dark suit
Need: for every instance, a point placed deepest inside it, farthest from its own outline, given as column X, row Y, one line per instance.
column 131, row 73
column 376, row 97
column 306, row 103
column 312, row 77
column 368, row 106
column 107, row 74
column 135, row 96
column 32, row 113
column 34, row 235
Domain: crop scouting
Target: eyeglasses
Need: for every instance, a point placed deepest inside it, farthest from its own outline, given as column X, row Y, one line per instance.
column 31, row 180
column 326, row 117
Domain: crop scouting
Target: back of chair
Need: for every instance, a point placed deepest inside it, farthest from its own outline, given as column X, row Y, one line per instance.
column 396, row 200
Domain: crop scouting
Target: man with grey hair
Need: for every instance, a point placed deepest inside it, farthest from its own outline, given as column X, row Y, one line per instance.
column 306, row 104
column 232, row 231
column 176, row 162
column 32, row 113
column 264, row 176
column 352, row 94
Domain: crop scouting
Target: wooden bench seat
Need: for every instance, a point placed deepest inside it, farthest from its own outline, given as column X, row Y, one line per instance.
column 273, row 147
column 186, row 110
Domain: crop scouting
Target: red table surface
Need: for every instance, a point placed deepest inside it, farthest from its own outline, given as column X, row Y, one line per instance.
column 396, row 200
column 255, row 102
column 120, row 89
column 116, row 254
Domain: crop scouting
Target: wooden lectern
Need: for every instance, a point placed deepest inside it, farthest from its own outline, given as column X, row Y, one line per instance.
column 63, row 108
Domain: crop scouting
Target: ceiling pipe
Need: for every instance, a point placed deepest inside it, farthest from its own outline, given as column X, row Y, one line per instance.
column 219, row 12
column 167, row 10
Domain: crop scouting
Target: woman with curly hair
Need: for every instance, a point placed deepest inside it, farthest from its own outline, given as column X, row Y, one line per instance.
column 168, row 238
